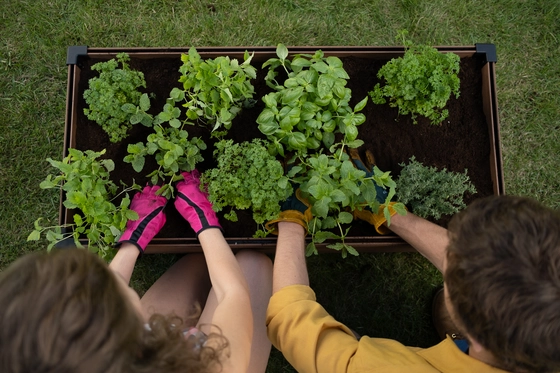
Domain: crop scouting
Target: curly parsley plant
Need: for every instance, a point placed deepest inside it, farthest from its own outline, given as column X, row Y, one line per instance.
column 419, row 83
column 247, row 176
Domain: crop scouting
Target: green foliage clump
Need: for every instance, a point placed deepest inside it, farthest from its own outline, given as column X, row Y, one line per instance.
column 114, row 100
column 214, row 90
column 310, row 106
column 421, row 82
column 333, row 187
column 173, row 150
column 306, row 115
column 429, row 192
column 246, row 176
column 85, row 180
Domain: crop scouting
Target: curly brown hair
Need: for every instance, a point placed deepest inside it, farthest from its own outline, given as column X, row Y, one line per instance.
column 64, row 312
column 503, row 279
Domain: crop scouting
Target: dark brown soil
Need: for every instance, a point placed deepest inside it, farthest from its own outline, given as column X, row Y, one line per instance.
column 461, row 142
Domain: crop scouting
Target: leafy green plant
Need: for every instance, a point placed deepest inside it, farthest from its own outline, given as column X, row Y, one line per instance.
column 85, row 181
column 114, row 100
column 214, row 90
column 247, row 176
column 334, row 188
column 311, row 106
column 429, row 192
column 173, row 150
column 421, row 82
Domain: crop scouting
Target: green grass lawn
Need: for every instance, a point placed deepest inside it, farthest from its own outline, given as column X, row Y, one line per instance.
column 377, row 294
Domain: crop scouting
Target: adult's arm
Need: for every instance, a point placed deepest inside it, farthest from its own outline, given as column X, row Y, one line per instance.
column 289, row 262
column 233, row 313
column 428, row 238
column 310, row 339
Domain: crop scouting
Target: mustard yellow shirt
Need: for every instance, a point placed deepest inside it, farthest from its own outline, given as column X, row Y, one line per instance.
column 313, row 341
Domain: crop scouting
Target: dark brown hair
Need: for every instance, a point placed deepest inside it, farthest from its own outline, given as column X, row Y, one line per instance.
column 64, row 312
column 503, row 279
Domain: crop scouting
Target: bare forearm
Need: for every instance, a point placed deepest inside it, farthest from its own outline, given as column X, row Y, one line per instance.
column 223, row 268
column 233, row 313
column 428, row 238
column 124, row 261
column 289, row 262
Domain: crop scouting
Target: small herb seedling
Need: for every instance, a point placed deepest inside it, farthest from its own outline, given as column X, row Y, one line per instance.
column 84, row 178
column 114, row 100
column 334, row 188
column 173, row 150
column 214, row 90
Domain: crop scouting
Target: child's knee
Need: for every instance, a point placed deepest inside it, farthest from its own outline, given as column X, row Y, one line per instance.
column 254, row 259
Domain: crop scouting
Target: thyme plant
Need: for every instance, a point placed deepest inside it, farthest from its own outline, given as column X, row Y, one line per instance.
column 429, row 192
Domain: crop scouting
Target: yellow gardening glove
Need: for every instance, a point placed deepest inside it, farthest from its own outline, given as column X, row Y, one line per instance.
column 377, row 219
column 295, row 209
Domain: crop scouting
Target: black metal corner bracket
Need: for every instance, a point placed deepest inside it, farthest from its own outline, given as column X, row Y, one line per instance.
column 489, row 50
column 74, row 52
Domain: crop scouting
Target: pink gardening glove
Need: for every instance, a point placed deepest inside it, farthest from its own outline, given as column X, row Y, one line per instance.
column 151, row 219
column 193, row 204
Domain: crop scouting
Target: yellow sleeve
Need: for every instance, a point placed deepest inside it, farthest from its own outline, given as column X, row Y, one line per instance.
column 310, row 339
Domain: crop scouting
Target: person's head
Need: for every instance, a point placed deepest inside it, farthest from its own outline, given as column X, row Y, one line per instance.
column 503, row 280
column 66, row 311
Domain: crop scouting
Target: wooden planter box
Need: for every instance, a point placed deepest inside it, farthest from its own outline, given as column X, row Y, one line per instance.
column 470, row 138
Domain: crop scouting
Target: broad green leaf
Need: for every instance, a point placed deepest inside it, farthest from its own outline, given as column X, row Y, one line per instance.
column 400, row 208
column 136, row 118
column 138, row 163
column 283, row 182
column 336, row 246
column 311, row 249
column 129, row 108
column 175, row 123
column 361, row 105
column 282, row 51
column 321, row 207
column 78, row 220
column 325, row 85
column 144, row 102
column 355, row 143
column 320, row 67
column 351, row 132
column 351, row 250
column 345, row 217
column 297, row 140
column 34, row 236
column 387, row 215
column 322, row 236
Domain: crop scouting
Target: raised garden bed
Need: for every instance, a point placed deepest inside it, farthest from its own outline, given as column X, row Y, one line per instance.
column 467, row 139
